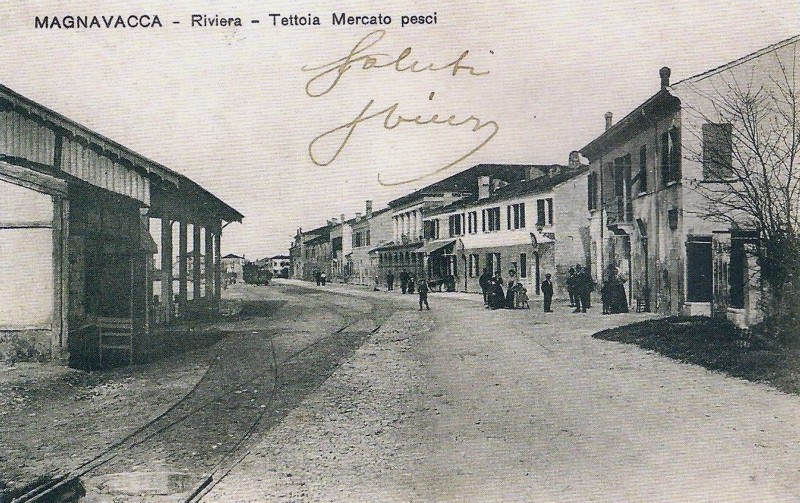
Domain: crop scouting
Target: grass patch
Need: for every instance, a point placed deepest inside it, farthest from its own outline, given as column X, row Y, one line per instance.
column 716, row 344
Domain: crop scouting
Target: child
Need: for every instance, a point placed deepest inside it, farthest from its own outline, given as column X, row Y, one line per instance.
column 422, row 290
column 522, row 297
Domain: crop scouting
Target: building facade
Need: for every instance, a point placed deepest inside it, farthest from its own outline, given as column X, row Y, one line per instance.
column 280, row 265
column 649, row 218
column 526, row 229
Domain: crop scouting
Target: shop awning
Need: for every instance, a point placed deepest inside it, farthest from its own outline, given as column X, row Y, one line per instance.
column 498, row 239
column 435, row 245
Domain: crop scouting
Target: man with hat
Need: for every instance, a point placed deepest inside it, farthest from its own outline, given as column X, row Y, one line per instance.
column 547, row 292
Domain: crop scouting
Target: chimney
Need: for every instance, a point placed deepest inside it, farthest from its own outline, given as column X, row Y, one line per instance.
column 358, row 215
column 334, row 221
column 664, row 73
column 342, row 217
column 484, row 187
column 609, row 115
column 575, row 159
column 369, row 208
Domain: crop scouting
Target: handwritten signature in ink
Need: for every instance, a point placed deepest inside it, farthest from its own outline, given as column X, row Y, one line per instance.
column 335, row 70
column 391, row 120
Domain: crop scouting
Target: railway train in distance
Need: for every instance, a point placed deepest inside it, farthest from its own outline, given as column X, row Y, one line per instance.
column 255, row 274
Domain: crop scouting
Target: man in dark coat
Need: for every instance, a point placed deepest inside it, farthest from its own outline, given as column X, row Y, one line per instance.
column 547, row 292
column 571, row 286
column 485, row 282
column 404, row 281
column 579, row 288
column 390, row 280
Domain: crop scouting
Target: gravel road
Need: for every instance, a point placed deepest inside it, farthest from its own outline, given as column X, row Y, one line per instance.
column 465, row 404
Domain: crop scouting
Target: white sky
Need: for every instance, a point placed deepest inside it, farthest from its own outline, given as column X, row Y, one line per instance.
column 227, row 106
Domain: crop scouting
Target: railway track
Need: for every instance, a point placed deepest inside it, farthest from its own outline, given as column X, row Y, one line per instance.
column 219, row 407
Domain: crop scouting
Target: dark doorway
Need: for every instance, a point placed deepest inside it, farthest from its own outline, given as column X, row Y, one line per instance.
column 699, row 269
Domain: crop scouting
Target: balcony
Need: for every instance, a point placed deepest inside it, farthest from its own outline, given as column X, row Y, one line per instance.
column 619, row 215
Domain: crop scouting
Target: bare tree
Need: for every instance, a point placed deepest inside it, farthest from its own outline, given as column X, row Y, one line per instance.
column 749, row 146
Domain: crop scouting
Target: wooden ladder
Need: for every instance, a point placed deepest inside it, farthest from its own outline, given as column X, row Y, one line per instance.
column 115, row 334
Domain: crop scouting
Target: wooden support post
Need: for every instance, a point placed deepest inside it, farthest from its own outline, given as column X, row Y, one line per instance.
column 166, row 270
column 60, row 326
column 183, row 267
column 209, row 267
column 196, row 257
column 217, row 267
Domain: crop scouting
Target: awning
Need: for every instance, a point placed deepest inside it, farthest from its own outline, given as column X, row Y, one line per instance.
column 435, row 245
column 498, row 239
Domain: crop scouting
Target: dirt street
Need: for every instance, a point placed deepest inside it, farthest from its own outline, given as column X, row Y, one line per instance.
column 465, row 404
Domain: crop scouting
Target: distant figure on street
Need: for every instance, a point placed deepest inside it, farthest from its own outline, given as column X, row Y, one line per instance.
column 580, row 307
column 547, row 292
column 590, row 284
column 318, row 277
column 511, row 288
column 390, row 280
column 323, row 278
column 571, row 286
column 616, row 301
column 522, row 297
column 496, row 297
column 422, row 290
column 411, row 283
column 605, row 297
column 485, row 282
column 404, row 281
column 376, row 284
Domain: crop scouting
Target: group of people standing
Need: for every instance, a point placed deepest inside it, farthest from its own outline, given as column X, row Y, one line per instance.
column 494, row 297
column 498, row 294
column 612, row 293
column 408, row 285
column 580, row 286
column 406, row 281
column 320, row 277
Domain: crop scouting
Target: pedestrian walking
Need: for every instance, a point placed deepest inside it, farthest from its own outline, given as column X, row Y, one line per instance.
column 422, row 290
column 323, row 278
column 390, row 280
column 547, row 292
column 376, row 284
column 318, row 278
column 485, row 282
column 411, row 283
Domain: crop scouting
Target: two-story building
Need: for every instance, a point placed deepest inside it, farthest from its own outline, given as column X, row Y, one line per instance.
column 280, row 265
column 648, row 172
column 406, row 250
column 369, row 232
column 531, row 227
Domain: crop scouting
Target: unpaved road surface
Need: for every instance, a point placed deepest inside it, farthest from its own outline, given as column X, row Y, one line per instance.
column 465, row 404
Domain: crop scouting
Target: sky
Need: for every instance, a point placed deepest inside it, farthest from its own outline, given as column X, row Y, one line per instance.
column 238, row 108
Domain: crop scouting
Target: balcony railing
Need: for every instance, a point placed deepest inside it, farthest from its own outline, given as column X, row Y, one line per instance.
column 619, row 210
